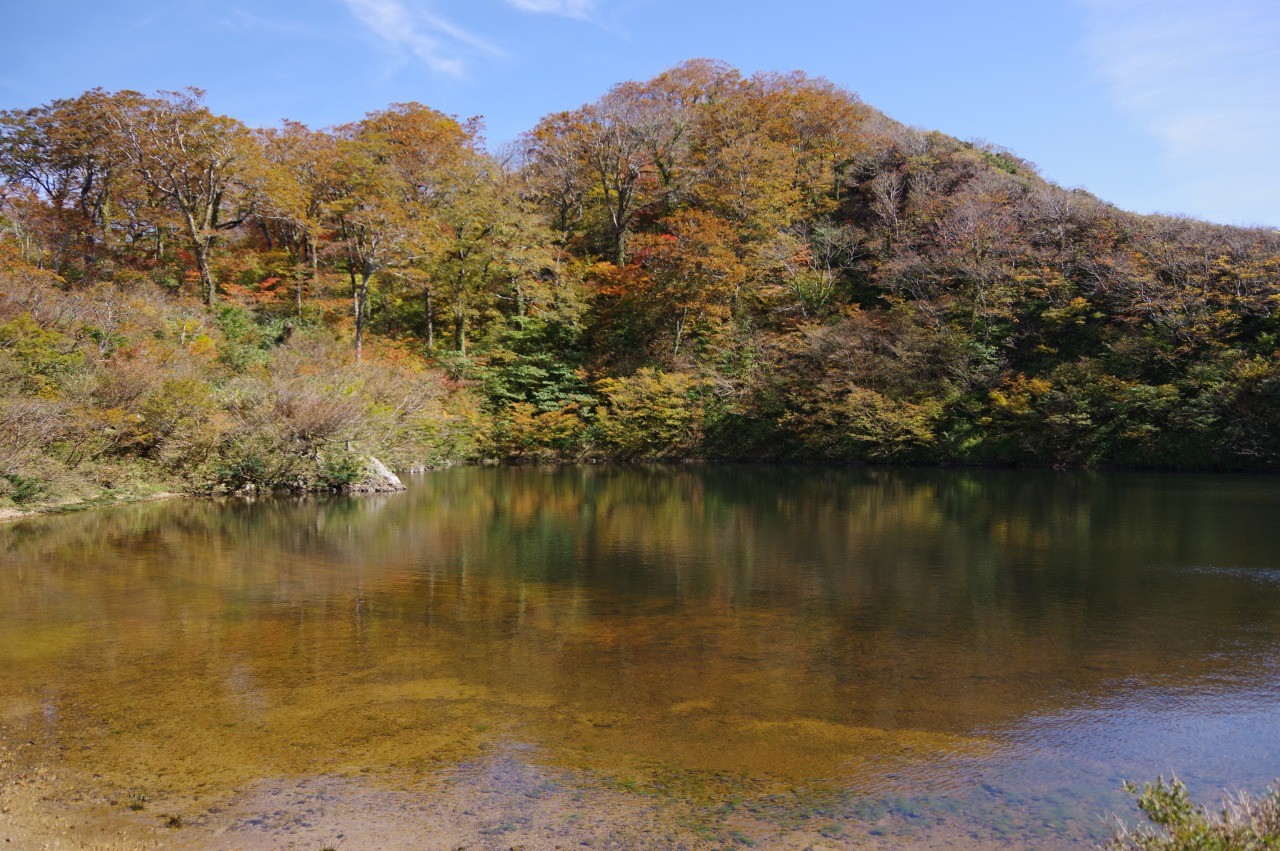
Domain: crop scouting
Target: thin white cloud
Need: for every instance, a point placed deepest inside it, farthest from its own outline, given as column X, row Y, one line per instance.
column 578, row 9
column 411, row 27
column 241, row 19
column 1203, row 78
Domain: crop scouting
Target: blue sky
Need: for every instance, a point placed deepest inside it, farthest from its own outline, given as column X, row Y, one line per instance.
column 1156, row 105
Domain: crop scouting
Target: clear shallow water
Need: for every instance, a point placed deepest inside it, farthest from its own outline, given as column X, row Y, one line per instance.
column 937, row 654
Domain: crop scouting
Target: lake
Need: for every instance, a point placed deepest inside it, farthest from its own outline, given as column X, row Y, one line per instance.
column 696, row 656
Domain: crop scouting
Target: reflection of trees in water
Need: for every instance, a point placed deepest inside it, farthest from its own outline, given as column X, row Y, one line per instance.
column 945, row 601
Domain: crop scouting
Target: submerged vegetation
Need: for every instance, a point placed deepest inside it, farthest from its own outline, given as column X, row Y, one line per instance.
column 702, row 265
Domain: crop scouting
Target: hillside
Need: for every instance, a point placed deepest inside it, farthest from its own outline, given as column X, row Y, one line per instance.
column 702, row 265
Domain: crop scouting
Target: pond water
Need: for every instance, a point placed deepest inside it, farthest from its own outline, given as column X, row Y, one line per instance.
column 697, row 655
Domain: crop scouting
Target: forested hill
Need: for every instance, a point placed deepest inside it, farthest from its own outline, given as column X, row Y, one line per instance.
column 703, row 265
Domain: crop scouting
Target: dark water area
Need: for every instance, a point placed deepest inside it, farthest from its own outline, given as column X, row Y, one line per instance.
column 944, row 656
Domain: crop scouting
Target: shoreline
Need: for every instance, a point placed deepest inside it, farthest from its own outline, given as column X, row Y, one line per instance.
column 11, row 515
column 501, row 799
column 14, row 514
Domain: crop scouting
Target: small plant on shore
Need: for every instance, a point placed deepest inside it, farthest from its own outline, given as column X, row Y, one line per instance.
column 1244, row 822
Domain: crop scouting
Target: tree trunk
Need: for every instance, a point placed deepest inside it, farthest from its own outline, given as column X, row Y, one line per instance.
column 87, row 254
column 206, row 276
column 314, row 255
column 431, row 322
column 361, row 296
column 619, row 247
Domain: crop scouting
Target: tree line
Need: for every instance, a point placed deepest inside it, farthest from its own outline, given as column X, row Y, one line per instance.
column 701, row 265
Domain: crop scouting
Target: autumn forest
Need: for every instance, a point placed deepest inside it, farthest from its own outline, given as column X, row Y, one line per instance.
column 700, row 266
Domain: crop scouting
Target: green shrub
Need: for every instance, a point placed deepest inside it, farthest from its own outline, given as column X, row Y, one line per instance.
column 1244, row 822
column 237, row 470
column 47, row 356
column 22, row 489
column 245, row 342
column 523, row 433
column 650, row 415
column 340, row 469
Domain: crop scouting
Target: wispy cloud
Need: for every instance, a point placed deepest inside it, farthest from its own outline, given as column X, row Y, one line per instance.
column 579, row 9
column 1204, row 79
column 246, row 21
column 412, row 27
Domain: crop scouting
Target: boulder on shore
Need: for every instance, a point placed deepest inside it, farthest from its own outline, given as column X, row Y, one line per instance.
column 377, row 478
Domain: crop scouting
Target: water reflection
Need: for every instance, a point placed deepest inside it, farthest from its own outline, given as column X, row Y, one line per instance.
column 1025, row 638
